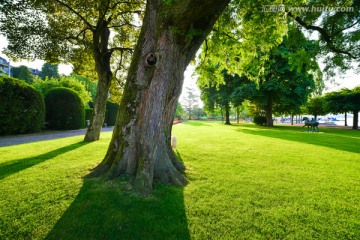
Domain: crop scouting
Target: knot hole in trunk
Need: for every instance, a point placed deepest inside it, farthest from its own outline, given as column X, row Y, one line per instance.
column 151, row 59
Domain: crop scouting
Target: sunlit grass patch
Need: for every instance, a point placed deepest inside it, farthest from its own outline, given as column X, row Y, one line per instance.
column 244, row 182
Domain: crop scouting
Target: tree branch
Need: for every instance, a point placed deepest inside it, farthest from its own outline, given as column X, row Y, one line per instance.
column 91, row 27
column 111, row 50
column 346, row 28
column 327, row 38
column 123, row 25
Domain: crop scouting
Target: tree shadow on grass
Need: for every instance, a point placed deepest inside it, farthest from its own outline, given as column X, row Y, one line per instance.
column 111, row 210
column 345, row 142
column 15, row 166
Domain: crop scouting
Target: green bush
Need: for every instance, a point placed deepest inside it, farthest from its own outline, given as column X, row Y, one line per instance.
column 66, row 82
column 111, row 113
column 22, row 108
column 259, row 120
column 64, row 109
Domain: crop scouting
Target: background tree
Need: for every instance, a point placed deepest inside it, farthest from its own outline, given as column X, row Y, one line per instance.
column 352, row 98
column 189, row 101
column 287, row 81
column 49, row 70
column 215, row 94
column 76, row 32
column 198, row 112
column 316, row 106
column 179, row 112
column 335, row 102
column 23, row 73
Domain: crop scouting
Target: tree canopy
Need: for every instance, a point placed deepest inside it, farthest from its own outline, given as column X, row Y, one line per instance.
column 248, row 30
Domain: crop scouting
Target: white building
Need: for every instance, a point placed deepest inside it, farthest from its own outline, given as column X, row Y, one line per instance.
column 5, row 66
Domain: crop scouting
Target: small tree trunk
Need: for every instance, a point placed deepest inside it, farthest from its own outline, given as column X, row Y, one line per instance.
column 346, row 120
column 140, row 146
column 268, row 113
column 292, row 119
column 356, row 120
column 237, row 115
column 227, row 114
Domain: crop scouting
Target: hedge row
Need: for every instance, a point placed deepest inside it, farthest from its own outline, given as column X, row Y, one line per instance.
column 22, row 107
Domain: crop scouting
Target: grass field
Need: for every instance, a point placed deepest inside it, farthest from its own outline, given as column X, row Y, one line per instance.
column 245, row 182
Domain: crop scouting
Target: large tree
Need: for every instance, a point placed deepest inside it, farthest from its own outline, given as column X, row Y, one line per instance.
column 77, row 32
column 171, row 33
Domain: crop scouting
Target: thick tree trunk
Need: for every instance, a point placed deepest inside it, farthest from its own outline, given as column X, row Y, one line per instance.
column 227, row 114
column 356, row 120
column 102, row 65
column 140, row 147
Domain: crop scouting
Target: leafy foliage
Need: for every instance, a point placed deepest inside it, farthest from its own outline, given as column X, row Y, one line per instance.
column 343, row 101
column 49, row 70
column 23, row 73
column 66, row 82
column 64, row 109
column 22, row 108
column 316, row 106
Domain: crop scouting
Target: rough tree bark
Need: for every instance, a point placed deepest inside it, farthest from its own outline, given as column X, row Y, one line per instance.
column 102, row 57
column 140, row 146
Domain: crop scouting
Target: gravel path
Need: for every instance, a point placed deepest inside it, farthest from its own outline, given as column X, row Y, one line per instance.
column 20, row 139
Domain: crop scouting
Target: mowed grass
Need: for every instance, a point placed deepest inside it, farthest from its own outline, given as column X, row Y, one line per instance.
column 245, row 182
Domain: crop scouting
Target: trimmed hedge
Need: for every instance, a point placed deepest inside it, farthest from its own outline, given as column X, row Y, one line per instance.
column 88, row 113
column 111, row 113
column 22, row 108
column 64, row 109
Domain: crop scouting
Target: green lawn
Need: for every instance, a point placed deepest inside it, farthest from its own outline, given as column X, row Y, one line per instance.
column 245, row 182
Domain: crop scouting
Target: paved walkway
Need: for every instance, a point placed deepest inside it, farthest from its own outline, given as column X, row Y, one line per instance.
column 49, row 135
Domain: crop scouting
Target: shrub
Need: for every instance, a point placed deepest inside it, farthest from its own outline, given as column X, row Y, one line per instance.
column 111, row 113
column 22, row 107
column 259, row 120
column 64, row 109
column 66, row 82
